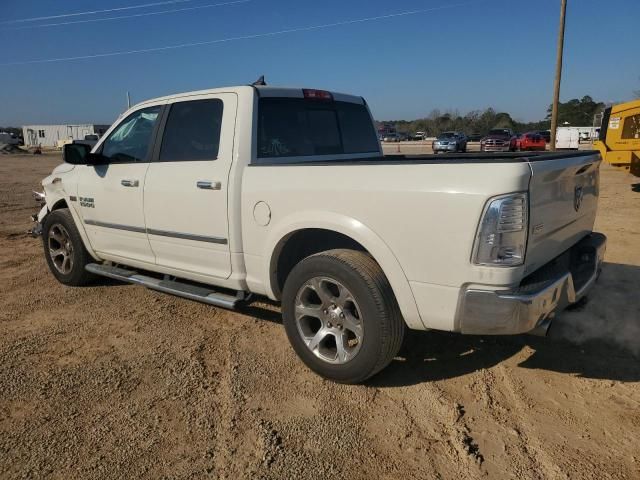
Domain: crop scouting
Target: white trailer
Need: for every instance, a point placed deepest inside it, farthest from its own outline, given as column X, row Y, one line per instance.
column 55, row 135
column 567, row 138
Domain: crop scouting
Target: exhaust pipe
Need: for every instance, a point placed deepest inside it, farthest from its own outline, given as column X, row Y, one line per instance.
column 542, row 329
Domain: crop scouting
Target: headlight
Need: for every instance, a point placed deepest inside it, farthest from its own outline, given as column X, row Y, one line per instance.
column 502, row 234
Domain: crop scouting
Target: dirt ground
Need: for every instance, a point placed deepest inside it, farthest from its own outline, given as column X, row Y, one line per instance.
column 116, row 381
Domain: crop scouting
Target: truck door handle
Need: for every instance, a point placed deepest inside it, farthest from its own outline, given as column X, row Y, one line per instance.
column 206, row 185
column 129, row 183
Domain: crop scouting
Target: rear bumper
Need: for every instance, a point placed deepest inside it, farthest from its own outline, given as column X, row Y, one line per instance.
column 531, row 306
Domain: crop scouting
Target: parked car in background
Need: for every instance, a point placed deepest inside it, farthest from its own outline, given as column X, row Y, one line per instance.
column 546, row 134
column 474, row 137
column 498, row 140
column 9, row 138
column 450, row 142
column 530, row 141
column 403, row 137
column 419, row 136
column 391, row 137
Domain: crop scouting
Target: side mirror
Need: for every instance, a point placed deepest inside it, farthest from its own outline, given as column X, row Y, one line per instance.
column 80, row 154
column 75, row 153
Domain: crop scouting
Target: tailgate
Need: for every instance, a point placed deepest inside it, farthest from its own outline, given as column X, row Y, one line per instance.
column 563, row 198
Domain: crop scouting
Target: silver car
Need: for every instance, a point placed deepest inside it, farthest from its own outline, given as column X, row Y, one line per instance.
column 450, row 142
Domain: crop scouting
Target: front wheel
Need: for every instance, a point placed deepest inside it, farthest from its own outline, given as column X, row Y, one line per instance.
column 341, row 316
column 64, row 250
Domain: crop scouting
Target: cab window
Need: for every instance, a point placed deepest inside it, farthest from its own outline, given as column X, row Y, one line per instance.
column 293, row 127
column 131, row 140
column 192, row 131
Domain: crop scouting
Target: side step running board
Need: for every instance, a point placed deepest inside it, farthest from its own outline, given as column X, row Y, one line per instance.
column 180, row 289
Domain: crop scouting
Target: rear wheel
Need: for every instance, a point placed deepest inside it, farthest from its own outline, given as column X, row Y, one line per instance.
column 341, row 316
column 64, row 250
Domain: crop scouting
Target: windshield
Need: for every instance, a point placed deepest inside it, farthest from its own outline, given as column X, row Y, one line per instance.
column 445, row 135
column 294, row 127
column 499, row 131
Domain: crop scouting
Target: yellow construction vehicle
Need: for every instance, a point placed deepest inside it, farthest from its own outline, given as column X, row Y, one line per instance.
column 619, row 139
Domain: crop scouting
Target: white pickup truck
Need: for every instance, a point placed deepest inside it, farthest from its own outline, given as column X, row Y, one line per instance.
column 280, row 192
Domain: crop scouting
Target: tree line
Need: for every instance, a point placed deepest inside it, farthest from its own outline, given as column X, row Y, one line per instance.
column 576, row 112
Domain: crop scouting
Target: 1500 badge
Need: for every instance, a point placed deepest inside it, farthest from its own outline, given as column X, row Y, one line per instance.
column 86, row 202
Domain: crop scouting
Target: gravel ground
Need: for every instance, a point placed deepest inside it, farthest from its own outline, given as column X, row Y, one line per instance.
column 116, row 381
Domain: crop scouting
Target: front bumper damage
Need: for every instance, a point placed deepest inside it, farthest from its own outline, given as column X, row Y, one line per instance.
column 37, row 218
column 531, row 306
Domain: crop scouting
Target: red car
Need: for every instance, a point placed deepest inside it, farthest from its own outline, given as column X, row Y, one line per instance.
column 530, row 141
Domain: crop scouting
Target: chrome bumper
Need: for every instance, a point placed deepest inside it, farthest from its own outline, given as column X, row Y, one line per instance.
column 491, row 148
column 531, row 307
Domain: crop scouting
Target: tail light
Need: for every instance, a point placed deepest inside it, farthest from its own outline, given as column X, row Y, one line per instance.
column 502, row 234
column 317, row 94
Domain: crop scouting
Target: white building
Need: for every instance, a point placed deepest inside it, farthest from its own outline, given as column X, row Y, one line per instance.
column 55, row 135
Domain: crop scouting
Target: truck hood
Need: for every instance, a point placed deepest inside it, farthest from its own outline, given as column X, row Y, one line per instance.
column 59, row 170
column 496, row 137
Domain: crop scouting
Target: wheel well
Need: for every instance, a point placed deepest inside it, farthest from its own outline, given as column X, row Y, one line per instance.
column 62, row 203
column 300, row 244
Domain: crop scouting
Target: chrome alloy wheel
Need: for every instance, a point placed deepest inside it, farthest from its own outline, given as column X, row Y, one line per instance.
column 60, row 249
column 328, row 320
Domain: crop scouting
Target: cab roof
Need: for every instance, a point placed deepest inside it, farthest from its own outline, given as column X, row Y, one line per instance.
column 263, row 91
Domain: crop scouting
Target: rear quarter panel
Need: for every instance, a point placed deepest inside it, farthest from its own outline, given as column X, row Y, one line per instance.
column 418, row 220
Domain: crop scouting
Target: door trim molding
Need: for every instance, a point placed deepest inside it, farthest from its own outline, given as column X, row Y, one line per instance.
column 186, row 236
column 160, row 233
column 115, row 226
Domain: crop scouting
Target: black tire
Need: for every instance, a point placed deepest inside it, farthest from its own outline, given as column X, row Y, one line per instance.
column 382, row 322
column 77, row 275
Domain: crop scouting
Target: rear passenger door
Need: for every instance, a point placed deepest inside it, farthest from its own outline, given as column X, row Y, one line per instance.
column 186, row 188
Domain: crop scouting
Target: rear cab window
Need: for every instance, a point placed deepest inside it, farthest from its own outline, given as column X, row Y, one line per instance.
column 302, row 127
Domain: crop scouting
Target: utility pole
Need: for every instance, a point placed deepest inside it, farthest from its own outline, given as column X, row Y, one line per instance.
column 556, row 87
column 128, row 101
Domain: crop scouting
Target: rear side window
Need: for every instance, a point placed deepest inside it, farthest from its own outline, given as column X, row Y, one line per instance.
column 192, row 131
column 293, row 127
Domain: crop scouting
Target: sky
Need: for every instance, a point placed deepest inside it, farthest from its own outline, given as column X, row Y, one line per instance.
column 457, row 55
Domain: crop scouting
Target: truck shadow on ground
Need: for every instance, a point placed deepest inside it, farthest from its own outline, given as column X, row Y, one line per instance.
column 598, row 339
column 432, row 356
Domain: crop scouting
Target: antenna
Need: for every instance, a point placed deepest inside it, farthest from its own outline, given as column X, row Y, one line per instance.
column 128, row 100
column 260, row 81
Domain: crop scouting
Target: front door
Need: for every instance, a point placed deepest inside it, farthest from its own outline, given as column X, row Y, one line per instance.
column 186, row 190
column 110, row 195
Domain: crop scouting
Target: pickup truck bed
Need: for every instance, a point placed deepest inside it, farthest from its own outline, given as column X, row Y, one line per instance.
column 431, row 159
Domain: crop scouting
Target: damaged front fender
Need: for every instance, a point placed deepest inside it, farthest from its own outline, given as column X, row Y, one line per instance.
column 38, row 218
